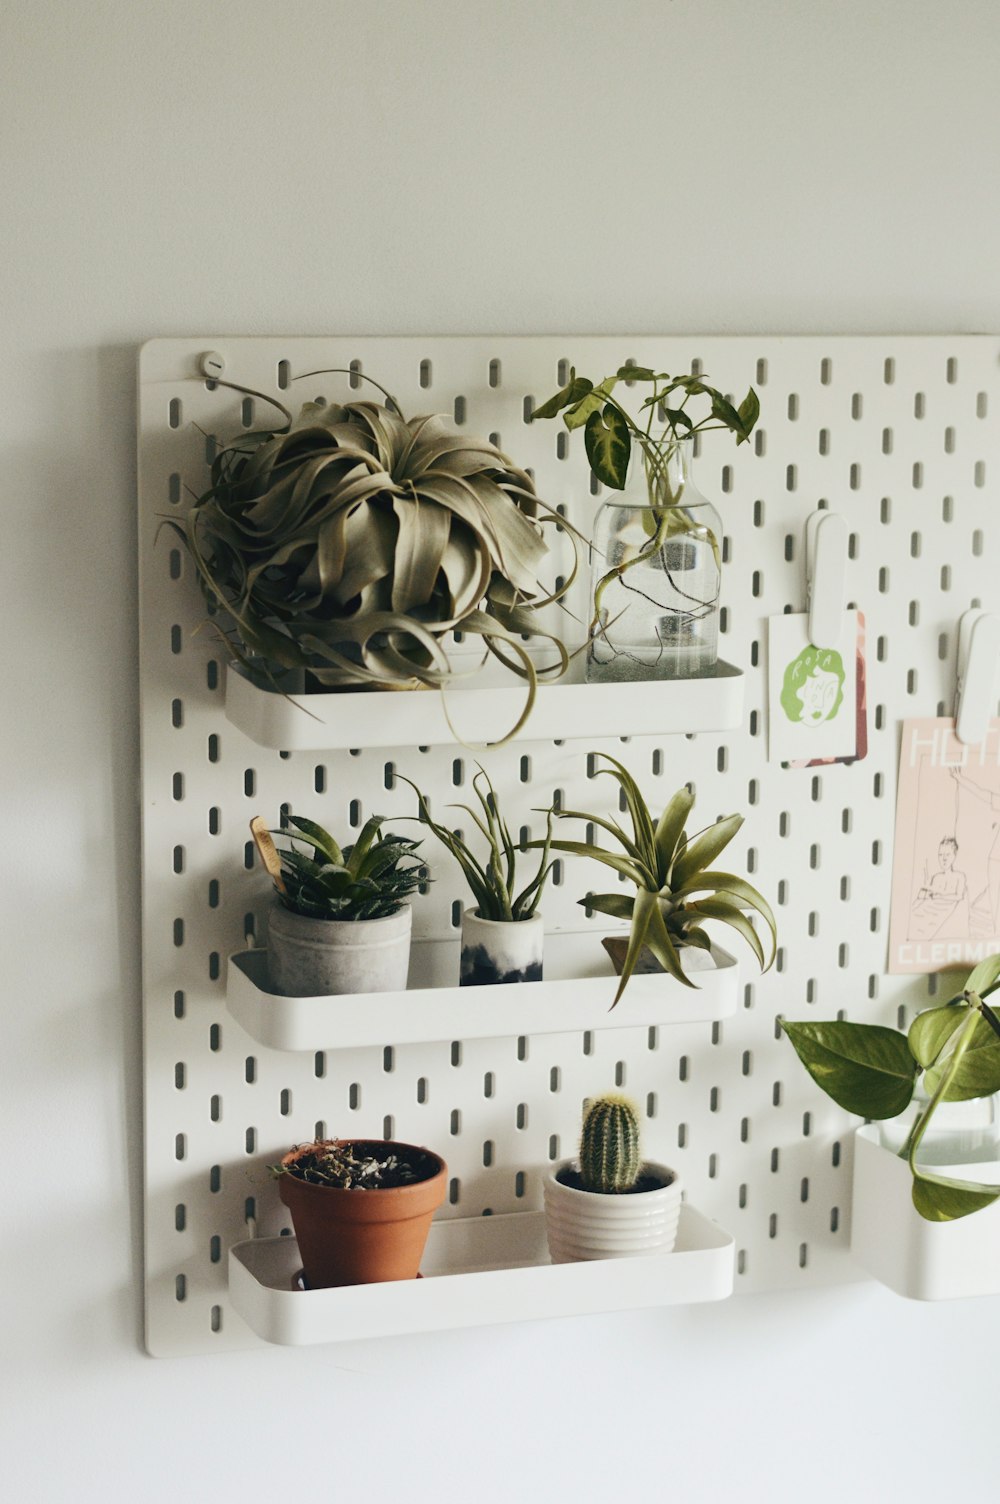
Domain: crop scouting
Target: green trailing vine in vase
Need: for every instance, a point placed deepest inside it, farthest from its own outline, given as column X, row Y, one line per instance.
column 611, row 431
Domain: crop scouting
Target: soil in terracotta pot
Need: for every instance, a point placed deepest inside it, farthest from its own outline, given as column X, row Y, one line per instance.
column 574, row 1180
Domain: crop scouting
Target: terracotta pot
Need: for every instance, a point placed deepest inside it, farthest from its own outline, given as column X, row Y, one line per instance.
column 362, row 1237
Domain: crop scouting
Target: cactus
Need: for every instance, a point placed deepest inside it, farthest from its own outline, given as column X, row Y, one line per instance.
column 609, row 1145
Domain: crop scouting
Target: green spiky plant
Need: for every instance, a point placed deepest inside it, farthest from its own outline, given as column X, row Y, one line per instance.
column 609, row 1145
column 350, row 542
column 369, row 879
column 874, row 1072
column 676, row 886
column 493, row 880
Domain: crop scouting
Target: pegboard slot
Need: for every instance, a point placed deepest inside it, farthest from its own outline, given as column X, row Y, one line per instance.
column 576, row 995
column 477, row 1271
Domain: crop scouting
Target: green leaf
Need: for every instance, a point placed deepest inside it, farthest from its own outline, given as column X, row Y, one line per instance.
column 939, row 1199
column 646, row 906
column 727, row 414
column 633, row 870
column 984, row 975
column 678, row 418
column 575, row 389
column 317, row 837
column 609, row 447
column 704, row 849
column 931, row 1030
column 669, row 829
column 618, row 905
column 749, row 411
column 636, row 373
column 978, row 1073
column 733, row 915
column 865, row 1068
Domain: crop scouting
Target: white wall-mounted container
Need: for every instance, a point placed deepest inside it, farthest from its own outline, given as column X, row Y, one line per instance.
column 563, row 711
column 920, row 1259
column 576, row 994
column 477, row 1271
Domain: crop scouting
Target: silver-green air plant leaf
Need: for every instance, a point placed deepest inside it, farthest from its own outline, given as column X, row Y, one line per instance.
column 873, row 1071
column 676, row 887
column 351, row 543
column 492, row 879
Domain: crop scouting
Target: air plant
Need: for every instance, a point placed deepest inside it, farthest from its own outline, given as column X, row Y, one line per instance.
column 351, row 542
column 676, row 887
column 491, row 881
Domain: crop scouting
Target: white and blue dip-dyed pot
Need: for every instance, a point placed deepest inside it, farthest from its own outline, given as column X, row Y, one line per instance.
column 497, row 950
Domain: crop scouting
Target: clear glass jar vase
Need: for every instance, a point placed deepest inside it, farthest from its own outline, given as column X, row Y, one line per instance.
column 656, row 555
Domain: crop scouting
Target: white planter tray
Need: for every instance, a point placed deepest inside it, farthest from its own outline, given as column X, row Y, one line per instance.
column 576, row 995
column 477, row 1271
column 562, row 712
column 920, row 1259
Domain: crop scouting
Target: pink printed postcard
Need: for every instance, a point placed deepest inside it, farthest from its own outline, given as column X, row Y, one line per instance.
column 946, row 863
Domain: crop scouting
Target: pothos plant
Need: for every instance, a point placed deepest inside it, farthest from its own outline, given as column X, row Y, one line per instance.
column 874, row 1071
column 662, row 426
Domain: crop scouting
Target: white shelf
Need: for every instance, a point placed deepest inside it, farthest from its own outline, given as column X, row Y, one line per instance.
column 562, row 712
column 576, row 995
column 922, row 1260
column 477, row 1271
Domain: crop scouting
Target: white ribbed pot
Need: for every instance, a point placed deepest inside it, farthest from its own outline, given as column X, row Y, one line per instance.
column 594, row 1225
column 500, row 950
column 331, row 957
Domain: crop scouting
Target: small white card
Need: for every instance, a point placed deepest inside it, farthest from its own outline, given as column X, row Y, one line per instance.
column 812, row 692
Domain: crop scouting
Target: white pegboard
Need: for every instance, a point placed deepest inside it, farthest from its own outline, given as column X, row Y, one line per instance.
column 897, row 434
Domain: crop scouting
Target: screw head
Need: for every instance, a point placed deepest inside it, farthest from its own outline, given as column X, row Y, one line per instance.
column 212, row 364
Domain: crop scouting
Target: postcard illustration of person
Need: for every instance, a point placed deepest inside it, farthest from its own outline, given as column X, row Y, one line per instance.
column 812, row 691
column 946, row 861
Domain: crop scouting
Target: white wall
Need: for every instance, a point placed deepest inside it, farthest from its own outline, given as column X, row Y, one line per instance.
column 434, row 166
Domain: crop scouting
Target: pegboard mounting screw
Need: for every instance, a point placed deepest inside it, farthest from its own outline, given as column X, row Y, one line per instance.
column 212, row 364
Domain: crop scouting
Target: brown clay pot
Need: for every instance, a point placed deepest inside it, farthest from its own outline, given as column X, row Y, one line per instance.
column 362, row 1237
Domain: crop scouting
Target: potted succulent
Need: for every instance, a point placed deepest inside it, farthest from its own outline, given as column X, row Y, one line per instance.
column 656, row 548
column 503, row 934
column 346, row 545
column 340, row 922
column 676, row 886
column 608, row 1203
column 949, row 1055
column 361, row 1208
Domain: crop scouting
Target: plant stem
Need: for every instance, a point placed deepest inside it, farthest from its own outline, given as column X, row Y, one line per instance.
column 913, row 1140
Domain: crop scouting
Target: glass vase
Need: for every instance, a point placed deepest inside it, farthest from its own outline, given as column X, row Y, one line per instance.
column 656, row 555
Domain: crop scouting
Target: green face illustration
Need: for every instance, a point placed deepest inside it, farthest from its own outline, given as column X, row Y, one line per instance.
column 813, row 688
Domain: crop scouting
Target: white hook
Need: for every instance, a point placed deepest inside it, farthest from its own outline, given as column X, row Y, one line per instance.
column 976, row 684
column 826, row 559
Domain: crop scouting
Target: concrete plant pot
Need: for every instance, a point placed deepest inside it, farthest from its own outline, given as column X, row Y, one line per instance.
column 497, row 950
column 332, row 957
column 596, row 1225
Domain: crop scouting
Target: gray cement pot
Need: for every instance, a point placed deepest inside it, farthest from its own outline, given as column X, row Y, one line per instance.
column 331, row 957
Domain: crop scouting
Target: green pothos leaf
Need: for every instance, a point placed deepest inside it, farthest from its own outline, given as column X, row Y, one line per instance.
column 940, row 1199
column 865, row 1068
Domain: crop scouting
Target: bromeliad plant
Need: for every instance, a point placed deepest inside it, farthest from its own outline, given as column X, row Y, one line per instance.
column 369, row 879
column 676, row 886
column 874, row 1071
column 351, row 541
column 492, row 882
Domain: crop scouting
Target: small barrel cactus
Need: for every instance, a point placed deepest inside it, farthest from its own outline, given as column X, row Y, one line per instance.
column 609, row 1145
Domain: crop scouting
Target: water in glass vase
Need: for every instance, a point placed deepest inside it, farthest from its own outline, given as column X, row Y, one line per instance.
column 656, row 556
